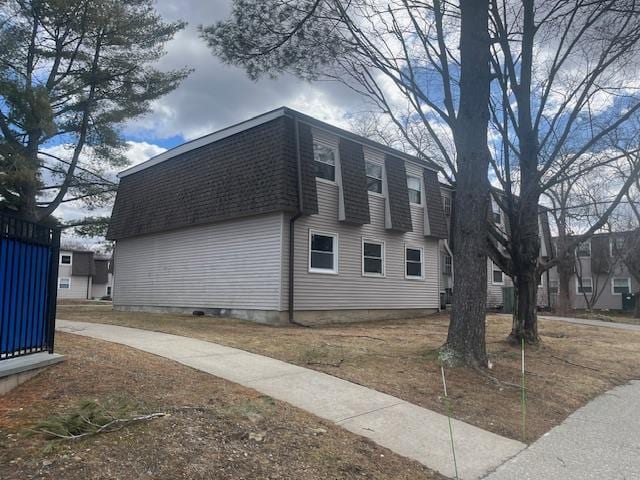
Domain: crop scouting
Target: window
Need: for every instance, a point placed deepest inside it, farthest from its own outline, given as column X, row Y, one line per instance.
column 584, row 249
column 496, row 212
column 620, row 286
column 616, row 245
column 108, row 291
column 447, row 265
column 65, row 259
column 413, row 261
column 446, row 204
column 414, row 184
column 325, row 161
column 64, row 283
column 372, row 258
column 323, row 252
column 497, row 277
column 587, row 285
column 553, row 285
column 374, row 177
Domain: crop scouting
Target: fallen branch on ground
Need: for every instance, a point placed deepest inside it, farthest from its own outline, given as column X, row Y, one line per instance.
column 111, row 426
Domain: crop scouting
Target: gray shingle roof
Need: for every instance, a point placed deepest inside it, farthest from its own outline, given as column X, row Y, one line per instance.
column 398, row 193
column 252, row 172
column 354, row 183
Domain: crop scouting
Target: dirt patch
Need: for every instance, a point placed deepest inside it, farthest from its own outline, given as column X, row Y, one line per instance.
column 574, row 364
column 216, row 429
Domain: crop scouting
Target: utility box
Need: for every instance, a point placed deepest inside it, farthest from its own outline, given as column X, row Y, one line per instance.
column 628, row 302
column 508, row 299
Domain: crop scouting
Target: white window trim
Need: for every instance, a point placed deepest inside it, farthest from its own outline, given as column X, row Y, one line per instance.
column 334, row 270
column 588, row 242
column 421, row 190
column 381, row 165
column 64, row 278
column 620, row 278
column 495, row 267
column 384, row 258
column 70, row 255
column 414, row 277
column 578, row 292
column 446, row 202
column 612, row 242
column 336, row 157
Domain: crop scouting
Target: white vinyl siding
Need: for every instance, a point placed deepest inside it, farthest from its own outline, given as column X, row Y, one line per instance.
column 234, row 264
column 350, row 289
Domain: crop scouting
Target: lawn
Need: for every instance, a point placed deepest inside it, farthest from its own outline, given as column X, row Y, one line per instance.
column 216, row 429
column 574, row 363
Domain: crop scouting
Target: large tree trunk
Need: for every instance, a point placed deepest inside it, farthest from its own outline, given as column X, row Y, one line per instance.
column 563, row 305
column 525, row 253
column 525, row 315
column 466, row 337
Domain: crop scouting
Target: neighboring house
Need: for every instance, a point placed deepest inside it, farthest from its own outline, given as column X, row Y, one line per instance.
column 496, row 279
column 83, row 275
column 600, row 276
column 280, row 217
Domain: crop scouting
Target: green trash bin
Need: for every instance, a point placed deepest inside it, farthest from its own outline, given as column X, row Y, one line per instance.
column 628, row 302
column 508, row 299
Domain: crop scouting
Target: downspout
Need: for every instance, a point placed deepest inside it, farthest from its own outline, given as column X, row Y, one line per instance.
column 548, row 289
column 292, row 221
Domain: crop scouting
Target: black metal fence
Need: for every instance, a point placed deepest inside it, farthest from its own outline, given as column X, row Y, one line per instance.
column 28, row 286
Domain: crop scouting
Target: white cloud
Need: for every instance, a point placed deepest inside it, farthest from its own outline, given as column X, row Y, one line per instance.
column 216, row 95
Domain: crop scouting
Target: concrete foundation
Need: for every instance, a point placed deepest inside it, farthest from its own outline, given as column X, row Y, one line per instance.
column 306, row 317
column 15, row 371
column 268, row 317
column 326, row 317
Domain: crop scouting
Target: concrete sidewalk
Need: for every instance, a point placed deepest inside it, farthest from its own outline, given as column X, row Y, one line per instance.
column 402, row 427
column 599, row 441
column 592, row 323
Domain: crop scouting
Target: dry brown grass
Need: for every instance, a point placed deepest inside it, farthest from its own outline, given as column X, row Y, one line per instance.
column 574, row 364
column 208, row 442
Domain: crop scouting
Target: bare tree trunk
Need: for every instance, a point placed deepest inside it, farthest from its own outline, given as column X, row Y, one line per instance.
column 525, row 315
column 636, row 312
column 525, row 253
column 563, row 305
column 466, row 337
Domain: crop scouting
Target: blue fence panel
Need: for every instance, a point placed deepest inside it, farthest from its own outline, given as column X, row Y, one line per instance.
column 28, row 286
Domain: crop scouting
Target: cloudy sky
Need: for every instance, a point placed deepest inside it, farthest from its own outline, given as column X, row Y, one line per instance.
column 216, row 95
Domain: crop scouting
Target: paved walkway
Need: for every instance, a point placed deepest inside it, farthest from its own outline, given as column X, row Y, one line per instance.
column 593, row 323
column 402, row 427
column 599, row 441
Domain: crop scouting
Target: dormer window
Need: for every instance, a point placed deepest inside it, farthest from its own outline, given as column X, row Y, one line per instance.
column 496, row 212
column 617, row 246
column 446, row 204
column 374, row 177
column 325, row 161
column 414, row 185
column 584, row 249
